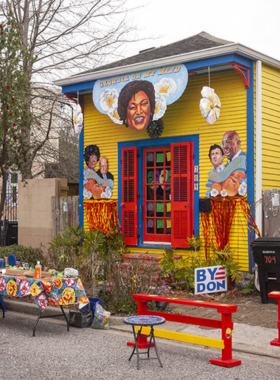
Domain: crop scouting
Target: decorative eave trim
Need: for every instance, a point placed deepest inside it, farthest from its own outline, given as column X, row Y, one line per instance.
column 234, row 48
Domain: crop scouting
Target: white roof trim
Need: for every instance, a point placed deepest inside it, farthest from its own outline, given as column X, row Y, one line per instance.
column 234, row 48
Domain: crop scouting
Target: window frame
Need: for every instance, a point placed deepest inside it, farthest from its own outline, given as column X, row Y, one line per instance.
column 154, row 238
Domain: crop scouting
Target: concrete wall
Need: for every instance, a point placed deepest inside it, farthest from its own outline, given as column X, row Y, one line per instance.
column 35, row 224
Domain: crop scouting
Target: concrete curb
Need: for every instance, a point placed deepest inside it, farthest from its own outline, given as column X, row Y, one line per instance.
column 246, row 338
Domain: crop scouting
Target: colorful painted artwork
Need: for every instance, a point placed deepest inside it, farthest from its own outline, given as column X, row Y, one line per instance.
column 230, row 178
column 97, row 184
column 137, row 99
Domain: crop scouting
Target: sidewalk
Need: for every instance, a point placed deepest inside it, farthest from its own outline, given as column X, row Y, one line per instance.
column 246, row 338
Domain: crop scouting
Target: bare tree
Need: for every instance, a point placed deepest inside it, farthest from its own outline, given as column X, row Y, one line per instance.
column 66, row 35
column 63, row 36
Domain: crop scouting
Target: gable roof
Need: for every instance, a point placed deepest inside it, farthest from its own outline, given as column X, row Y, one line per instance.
column 194, row 48
column 197, row 42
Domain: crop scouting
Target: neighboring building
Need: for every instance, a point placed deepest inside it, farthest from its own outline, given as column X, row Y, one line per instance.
column 158, row 183
column 41, row 105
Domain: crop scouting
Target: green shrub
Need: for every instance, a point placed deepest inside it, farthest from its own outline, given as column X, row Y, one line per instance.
column 92, row 253
column 181, row 272
column 99, row 259
column 24, row 254
column 248, row 289
column 126, row 280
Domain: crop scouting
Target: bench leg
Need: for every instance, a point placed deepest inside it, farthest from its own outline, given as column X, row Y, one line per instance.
column 142, row 308
column 276, row 342
column 226, row 359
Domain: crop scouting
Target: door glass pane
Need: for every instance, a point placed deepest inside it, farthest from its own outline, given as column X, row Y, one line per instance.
column 150, row 209
column 150, row 176
column 168, row 227
column 168, row 158
column 150, row 193
column 159, row 209
column 168, row 175
column 160, row 226
column 150, row 226
column 159, row 193
column 162, row 177
column 150, row 180
column 159, row 158
column 168, row 193
column 150, row 159
column 168, row 209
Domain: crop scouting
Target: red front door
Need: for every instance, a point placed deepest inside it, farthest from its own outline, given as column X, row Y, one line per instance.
column 157, row 195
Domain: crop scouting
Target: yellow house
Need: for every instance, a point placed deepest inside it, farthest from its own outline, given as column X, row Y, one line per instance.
column 189, row 151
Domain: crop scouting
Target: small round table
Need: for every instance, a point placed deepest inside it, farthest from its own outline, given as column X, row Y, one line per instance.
column 144, row 321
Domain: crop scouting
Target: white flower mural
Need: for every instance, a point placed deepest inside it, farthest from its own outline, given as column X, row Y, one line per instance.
column 109, row 100
column 214, row 193
column 107, row 193
column 114, row 116
column 166, row 86
column 87, row 194
column 160, row 106
column 242, row 189
column 78, row 119
column 209, row 105
column 224, row 193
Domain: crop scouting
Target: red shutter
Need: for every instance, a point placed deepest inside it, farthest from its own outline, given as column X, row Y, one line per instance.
column 182, row 194
column 129, row 195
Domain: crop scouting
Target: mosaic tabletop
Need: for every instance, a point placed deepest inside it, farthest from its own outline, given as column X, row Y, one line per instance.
column 144, row 320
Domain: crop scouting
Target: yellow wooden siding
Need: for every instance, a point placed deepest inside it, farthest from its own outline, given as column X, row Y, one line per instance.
column 182, row 118
column 270, row 127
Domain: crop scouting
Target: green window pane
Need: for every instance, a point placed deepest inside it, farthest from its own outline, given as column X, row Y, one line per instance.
column 160, row 157
column 160, row 207
column 160, row 223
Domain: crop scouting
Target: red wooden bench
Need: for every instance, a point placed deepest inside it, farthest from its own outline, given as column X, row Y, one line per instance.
column 225, row 324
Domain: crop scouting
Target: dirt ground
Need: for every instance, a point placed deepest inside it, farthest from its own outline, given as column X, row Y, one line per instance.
column 250, row 309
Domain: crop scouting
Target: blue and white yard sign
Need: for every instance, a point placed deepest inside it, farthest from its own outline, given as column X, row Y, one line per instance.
column 210, row 280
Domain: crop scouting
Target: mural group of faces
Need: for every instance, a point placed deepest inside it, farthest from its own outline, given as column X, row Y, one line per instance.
column 98, row 184
column 228, row 178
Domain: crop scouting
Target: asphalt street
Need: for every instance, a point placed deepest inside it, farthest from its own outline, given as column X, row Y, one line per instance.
column 56, row 354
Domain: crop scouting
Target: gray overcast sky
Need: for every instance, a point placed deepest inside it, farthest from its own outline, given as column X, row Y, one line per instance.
column 253, row 23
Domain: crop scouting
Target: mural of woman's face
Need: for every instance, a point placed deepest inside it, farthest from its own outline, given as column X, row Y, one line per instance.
column 92, row 161
column 138, row 111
